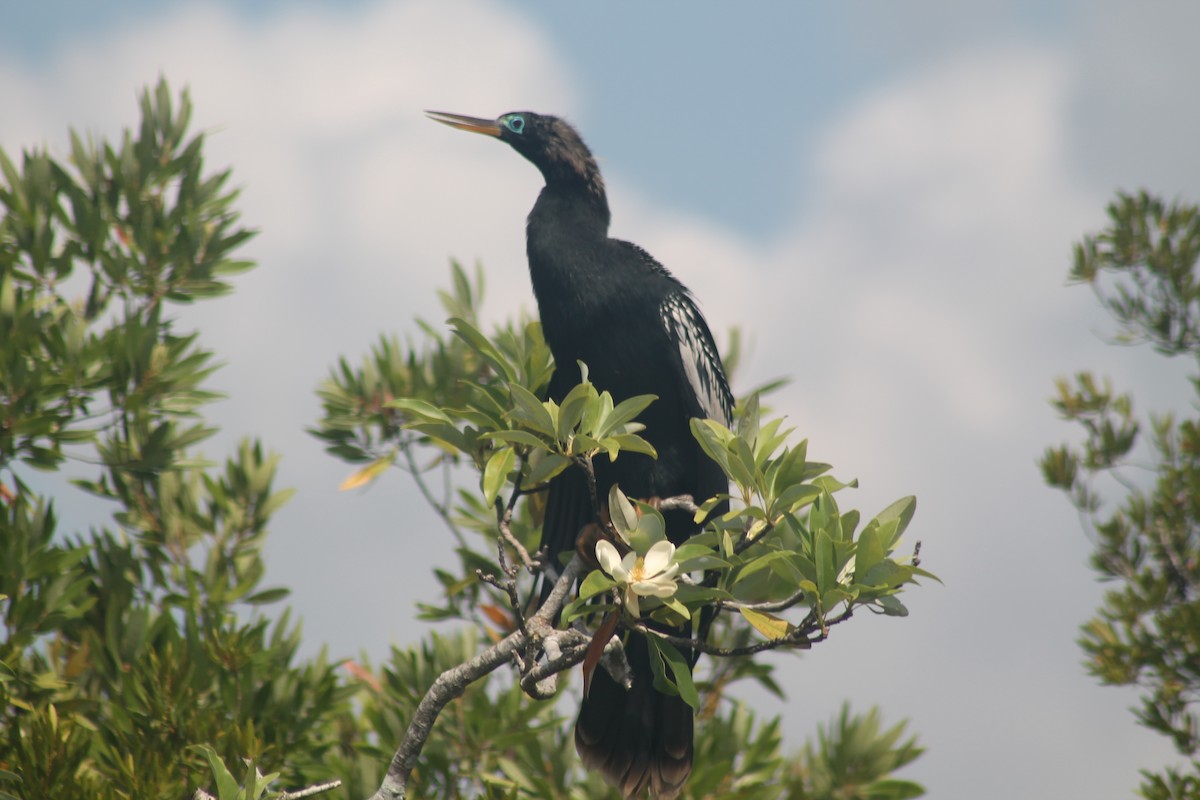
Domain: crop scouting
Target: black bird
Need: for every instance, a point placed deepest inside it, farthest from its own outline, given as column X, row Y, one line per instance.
column 609, row 304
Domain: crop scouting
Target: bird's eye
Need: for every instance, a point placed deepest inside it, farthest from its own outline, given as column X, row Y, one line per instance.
column 515, row 123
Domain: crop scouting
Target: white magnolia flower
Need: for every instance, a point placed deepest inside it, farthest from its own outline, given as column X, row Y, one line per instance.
column 651, row 575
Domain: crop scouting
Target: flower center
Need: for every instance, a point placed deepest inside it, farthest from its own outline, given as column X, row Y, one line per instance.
column 638, row 573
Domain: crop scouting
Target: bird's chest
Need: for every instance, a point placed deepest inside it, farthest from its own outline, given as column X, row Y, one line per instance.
column 612, row 327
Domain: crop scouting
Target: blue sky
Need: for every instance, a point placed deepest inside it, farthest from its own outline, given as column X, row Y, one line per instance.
column 883, row 194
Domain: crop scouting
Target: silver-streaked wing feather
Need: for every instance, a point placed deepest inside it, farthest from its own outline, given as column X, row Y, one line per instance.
column 698, row 356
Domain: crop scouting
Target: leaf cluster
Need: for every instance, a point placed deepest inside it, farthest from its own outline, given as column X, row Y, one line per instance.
column 784, row 544
column 479, row 402
column 1136, row 482
column 124, row 649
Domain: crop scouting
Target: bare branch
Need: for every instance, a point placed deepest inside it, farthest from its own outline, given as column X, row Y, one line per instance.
column 504, row 516
column 779, row 605
column 442, row 509
column 682, row 502
column 799, row 639
column 564, row 649
column 453, row 682
column 802, row 637
column 308, row 791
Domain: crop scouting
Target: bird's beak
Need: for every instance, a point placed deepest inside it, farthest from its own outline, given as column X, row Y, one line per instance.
column 486, row 126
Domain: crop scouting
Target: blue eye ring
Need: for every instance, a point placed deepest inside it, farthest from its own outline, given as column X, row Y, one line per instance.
column 515, row 123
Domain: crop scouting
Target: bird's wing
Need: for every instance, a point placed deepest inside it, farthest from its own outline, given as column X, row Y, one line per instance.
column 698, row 357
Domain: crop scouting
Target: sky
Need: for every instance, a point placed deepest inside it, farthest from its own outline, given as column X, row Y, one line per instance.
column 882, row 195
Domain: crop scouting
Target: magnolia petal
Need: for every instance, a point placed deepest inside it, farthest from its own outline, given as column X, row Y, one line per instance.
column 658, row 557
column 654, row 588
column 610, row 561
column 631, row 602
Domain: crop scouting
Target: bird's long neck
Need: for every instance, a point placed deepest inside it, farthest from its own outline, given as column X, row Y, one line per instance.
column 563, row 214
column 566, row 236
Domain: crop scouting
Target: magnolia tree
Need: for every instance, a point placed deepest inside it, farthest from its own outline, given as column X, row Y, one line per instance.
column 778, row 571
column 143, row 657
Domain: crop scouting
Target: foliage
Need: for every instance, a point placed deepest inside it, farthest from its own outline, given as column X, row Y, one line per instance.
column 136, row 659
column 121, row 650
column 1147, row 632
column 468, row 407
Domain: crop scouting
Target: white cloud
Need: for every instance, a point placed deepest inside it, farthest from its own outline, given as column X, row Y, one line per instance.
column 915, row 307
column 360, row 201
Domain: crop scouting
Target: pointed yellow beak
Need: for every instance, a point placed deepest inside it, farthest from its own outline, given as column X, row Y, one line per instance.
column 488, row 127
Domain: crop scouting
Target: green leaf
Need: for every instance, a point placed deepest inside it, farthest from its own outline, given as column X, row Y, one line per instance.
column 651, row 529
column 572, row 409
column 892, row 606
column 707, row 506
column 227, row 785
column 692, row 557
column 623, row 413
column 268, row 596
column 595, row 583
column 529, row 411
column 674, row 605
column 545, row 468
column 624, row 517
column 747, row 423
column 629, row 442
column 824, row 558
column 482, row 345
column 517, row 437
column 868, row 552
column 901, row 512
column 794, row 497
column 681, row 671
column 712, row 437
column 426, row 412
column 760, row 563
column 495, row 472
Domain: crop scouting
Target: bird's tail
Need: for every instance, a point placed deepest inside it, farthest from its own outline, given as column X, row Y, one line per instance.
column 637, row 737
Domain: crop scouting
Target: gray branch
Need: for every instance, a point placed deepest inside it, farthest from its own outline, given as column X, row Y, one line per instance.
column 453, row 682
column 308, row 791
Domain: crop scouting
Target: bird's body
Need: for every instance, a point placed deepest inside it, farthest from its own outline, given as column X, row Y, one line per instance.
column 609, row 304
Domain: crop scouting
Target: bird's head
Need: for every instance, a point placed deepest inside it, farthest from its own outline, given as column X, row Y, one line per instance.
column 550, row 143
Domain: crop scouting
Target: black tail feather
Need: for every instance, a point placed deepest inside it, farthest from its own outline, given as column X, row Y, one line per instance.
column 637, row 738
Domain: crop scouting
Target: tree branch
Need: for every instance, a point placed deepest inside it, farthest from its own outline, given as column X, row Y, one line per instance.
column 779, row 605
column 798, row 638
column 504, row 522
column 682, row 502
column 308, row 791
column 443, row 511
column 453, row 682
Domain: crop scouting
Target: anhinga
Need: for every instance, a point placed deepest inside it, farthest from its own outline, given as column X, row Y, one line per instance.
column 609, row 304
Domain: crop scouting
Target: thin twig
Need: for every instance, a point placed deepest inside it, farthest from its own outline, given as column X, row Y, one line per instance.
column 308, row 791
column 585, row 463
column 772, row 607
column 504, row 516
column 799, row 638
column 442, row 510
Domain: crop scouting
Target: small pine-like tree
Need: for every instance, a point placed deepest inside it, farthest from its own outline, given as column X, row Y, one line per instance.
column 1147, row 633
